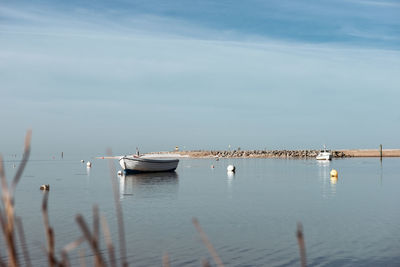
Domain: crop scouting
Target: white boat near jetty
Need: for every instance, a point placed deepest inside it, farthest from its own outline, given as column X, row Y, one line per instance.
column 135, row 163
column 324, row 155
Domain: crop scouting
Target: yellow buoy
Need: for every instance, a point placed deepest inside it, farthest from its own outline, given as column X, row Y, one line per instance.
column 334, row 173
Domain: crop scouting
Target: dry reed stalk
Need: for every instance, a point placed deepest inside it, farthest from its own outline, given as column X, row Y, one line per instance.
column 96, row 222
column 25, row 157
column 7, row 218
column 207, row 243
column 7, row 225
column 82, row 257
column 64, row 260
column 302, row 246
column 107, row 237
column 118, row 208
column 68, row 248
column 21, row 234
column 73, row 245
column 94, row 245
column 2, row 176
column 49, row 232
column 205, row 263
column 165, row 260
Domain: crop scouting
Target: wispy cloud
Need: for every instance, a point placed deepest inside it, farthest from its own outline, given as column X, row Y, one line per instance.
column 375, row 35
column 18, row 14
column 377, row 3
column 151, row 64
column 308, row 22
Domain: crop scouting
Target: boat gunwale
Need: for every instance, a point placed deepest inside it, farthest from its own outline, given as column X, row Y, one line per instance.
column 147, row 160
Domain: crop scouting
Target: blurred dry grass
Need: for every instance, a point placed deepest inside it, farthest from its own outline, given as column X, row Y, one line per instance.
column 11, row 225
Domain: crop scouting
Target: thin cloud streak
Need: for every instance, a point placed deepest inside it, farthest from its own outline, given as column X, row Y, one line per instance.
column 20, row 15
column 324, row 24
column 377, row 3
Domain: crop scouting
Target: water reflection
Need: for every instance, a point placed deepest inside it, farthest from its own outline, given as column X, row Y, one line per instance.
column 88, row 171
column 230, row 175
column 230, row 179
column 328, row 183
column 148, row 184
column 323, row 163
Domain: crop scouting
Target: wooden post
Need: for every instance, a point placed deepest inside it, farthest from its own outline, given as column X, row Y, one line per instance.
column 380, row 150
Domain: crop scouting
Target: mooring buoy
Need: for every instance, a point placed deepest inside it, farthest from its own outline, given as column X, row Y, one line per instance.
column 45, row 187
column 89, row 164
column 231, row 168
column 334, row 173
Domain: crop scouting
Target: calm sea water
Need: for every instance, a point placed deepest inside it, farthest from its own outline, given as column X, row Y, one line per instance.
column 250, row 217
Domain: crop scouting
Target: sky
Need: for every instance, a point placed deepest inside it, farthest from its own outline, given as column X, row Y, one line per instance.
column 90, row 75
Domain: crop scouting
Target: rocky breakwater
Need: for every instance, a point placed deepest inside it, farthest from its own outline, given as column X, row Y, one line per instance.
column 259, row 154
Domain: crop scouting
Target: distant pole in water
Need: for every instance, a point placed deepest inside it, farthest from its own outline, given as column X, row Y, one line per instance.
column 380, row 151
column 62, row 154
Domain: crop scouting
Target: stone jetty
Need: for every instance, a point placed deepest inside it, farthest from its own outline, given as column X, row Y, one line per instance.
column 295, row 154
column 257, row 154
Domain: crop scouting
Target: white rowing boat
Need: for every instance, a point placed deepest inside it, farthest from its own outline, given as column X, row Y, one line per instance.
column 136, row 163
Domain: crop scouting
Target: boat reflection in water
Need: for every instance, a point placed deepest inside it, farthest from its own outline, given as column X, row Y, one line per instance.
column 328, row 185
column 144, row 185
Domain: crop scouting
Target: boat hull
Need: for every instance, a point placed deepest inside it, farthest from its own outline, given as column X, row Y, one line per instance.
column 137, row 165
column 324, row 156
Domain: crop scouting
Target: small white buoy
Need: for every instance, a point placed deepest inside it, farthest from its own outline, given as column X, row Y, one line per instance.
column 82, row 161
column 119, row 173
column 45, row 187
column 231, row 168
column 212, row 166
column 89, row 164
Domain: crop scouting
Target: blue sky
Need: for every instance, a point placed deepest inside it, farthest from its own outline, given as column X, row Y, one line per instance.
column 87, row 75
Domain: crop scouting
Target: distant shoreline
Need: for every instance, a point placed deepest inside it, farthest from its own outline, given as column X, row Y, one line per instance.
column 371, row 152
column 343, row 153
